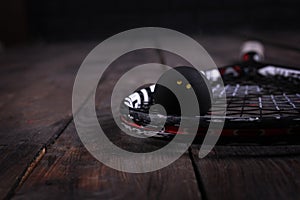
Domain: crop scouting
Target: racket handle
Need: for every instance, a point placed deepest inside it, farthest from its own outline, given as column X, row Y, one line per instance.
column 252, row 51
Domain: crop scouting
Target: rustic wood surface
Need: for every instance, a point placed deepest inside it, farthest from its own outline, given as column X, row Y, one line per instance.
column 41, row 156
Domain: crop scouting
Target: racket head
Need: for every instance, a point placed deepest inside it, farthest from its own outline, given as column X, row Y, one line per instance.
column 263, row 101
column 262, row 107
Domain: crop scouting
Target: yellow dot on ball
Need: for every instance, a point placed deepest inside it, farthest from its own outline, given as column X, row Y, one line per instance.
column 179, row 82
column 188, row 86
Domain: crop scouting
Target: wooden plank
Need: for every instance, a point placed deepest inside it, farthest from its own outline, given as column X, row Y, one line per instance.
column 31, row 83
column 36, row 87
column 222, row 49
column 47, row 74
column 85, row 177
column 19, row 159
column 244, row 177
column 255, row 151
column 68, row 171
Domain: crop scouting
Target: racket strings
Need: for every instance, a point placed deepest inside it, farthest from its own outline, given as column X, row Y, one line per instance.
column 264, row 97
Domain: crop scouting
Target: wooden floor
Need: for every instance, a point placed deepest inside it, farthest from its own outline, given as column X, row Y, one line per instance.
column 41, row 156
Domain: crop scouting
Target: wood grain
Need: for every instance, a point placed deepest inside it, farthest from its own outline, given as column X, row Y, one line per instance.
column 36, row 87
column 70, row 161
column 68, row 171
column 243, row 177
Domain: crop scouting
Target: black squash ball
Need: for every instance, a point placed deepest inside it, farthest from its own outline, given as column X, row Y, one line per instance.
column 194, row 80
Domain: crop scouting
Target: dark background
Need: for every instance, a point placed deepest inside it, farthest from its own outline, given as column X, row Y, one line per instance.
column 56, row 20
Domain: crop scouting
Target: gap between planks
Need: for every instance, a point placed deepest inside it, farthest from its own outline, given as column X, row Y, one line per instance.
column 35, row 161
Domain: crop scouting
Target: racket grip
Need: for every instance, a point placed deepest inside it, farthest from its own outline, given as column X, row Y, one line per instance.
column 252, row 50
